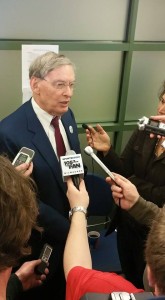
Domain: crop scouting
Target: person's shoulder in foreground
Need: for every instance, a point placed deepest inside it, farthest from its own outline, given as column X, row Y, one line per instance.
column 81, row 280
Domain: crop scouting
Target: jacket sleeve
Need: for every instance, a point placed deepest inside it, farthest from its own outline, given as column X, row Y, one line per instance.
column 14, row 288
column 144, row 211
column 149, row 191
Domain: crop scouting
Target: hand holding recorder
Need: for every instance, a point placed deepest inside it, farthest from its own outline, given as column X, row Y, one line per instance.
column 23, row 161
column 152, row 125
column 25, row 155
column 27, row 275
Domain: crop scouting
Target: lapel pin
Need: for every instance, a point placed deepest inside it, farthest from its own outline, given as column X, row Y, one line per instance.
column 71, row 129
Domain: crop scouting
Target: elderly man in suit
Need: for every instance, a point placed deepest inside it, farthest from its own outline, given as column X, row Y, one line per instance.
column 52, row 79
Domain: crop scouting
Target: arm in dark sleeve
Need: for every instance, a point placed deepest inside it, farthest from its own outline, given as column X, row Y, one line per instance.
column 149, row 191
column 144, row 211
column 14, row 287
column 112, row 161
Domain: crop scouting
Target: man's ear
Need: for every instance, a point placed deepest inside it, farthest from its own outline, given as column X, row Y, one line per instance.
column 34, row 84
column 151, row 277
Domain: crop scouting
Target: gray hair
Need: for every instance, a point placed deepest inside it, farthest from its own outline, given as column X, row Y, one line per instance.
column 46, row 63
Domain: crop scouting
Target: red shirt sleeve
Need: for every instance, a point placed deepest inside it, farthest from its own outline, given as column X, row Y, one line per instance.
column 81, row 281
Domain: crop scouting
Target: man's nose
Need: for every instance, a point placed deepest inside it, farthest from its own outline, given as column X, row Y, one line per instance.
column 68, row 90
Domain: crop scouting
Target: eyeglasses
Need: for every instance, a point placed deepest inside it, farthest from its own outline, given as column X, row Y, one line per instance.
column 61, row 85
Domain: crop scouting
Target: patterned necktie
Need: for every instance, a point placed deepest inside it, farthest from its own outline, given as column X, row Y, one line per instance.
column 58, row 137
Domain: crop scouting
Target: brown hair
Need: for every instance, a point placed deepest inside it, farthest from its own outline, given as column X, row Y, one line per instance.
column 161, row 91
column 155, row 250
column 18, row 214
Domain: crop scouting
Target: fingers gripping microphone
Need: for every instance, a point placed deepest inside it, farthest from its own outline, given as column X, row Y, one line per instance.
column 72, row 165
column 88, row 150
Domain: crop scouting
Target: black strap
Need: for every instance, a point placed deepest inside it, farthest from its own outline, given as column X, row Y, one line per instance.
column 96, row 296
column 118, row 296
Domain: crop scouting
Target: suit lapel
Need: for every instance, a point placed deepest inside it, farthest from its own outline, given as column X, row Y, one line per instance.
column 71, row 131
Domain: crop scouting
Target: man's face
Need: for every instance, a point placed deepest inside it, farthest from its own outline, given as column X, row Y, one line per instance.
column 54, row 92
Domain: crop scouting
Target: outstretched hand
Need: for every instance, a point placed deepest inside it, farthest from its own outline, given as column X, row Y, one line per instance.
column 98, row 138
column 124, row 193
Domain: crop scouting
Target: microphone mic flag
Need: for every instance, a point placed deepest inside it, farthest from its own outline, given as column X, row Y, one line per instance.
column 72, row 165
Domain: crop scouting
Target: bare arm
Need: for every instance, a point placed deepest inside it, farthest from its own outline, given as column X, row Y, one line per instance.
column 77, row 251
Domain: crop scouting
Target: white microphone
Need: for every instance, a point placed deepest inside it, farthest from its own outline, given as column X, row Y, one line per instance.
column 88, row 150
column 72, row 165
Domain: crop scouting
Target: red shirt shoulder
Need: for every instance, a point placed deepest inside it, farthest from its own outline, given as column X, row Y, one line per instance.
column 81, row 281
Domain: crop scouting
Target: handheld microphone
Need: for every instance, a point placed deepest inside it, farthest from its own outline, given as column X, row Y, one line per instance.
column 115, row 215
column 85, row 126
column 88, row 150
column 72, row 165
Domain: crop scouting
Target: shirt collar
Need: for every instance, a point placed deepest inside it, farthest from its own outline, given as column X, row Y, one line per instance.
column 42, row 114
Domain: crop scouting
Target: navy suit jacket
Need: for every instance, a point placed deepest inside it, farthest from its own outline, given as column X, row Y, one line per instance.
column 22, row 128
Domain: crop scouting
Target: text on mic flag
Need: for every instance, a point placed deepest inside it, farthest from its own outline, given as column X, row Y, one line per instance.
column 71, row 165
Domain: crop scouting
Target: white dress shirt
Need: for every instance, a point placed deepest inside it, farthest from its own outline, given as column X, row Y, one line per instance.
column 45, row 120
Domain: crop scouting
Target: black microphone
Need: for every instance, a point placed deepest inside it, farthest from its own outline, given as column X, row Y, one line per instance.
column 85, row 126
column 72, row 165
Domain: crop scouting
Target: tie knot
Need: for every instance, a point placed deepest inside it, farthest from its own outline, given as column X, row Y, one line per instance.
column 55, row 122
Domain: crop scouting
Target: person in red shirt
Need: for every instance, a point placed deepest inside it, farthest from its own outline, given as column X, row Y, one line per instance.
column 80, row 277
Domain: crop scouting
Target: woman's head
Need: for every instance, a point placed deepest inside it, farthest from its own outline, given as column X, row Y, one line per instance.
column 18, row 214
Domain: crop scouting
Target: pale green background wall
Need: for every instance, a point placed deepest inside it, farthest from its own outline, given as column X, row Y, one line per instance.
column 118, row 47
